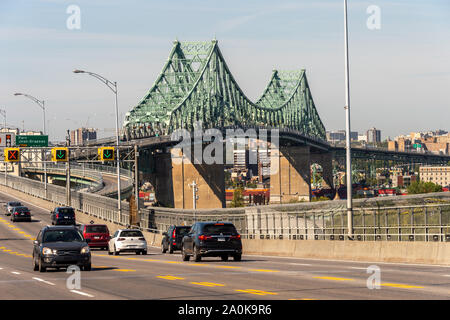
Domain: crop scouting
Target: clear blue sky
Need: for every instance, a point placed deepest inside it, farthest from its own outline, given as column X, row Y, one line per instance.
column 400, row 74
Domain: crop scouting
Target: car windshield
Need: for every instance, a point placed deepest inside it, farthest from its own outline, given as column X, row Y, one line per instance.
column 62, row 236
column 131, row 234
column 96, row 229
column 218, row 228
column 14, row 204
column 21, row 209
column 183, row 230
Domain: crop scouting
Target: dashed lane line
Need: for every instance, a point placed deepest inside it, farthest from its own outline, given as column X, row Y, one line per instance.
column 257, row 292
column 208, row 284
column 82, row 293
column 170, row 277
column 43, row 281
column 399, row 285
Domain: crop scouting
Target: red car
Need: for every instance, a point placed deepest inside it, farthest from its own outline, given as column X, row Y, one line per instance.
column 98, row 233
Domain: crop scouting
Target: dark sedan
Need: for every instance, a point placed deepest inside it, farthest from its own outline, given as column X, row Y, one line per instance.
column 20, row 214
column 60, row 246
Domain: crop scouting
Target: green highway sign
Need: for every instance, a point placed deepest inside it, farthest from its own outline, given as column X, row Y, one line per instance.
column 31, row 141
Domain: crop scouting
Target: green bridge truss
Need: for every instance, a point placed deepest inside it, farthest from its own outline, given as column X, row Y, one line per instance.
column 196, row 84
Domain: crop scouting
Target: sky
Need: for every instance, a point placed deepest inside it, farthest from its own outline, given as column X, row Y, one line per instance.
column 399, row 73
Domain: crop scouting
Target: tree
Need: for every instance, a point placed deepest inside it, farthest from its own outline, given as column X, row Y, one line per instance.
column 423, row 187
column 238, row 198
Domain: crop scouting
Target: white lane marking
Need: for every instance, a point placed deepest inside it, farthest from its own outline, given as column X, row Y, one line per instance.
column 358, row 268
column 42, row 280
column 15, row 272
column 299, row 264
column 446, row 275
column 1, row 268
column 82, row 293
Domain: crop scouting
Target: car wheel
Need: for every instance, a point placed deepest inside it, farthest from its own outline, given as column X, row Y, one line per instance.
column 163, row 249
column 41, row 267
column 35, row 265
column 170, row 248
column 197, row 256
column 116, row 253
column 237, row 257
column 144, row 252
column 224, row 258
column 87, row 267
column 138, row 252
column 184, row 256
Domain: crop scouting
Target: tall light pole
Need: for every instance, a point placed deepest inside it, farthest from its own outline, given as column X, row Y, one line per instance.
column 347, row 132
column 41, row 104
column 113, row 86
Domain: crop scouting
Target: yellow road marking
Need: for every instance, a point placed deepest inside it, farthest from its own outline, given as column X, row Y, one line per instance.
column 227, row 267
column 1, row 248
column 173, row 262
column 124, row 270
column 264, row 270
column 398, row 285
column 11, row 226
column 6, row 250
column 151, row 260
column 208, row 284
column 257, row 292
column 21, row 231
column 170, row 277
column 334, row 278
column 12, row 252
column 16, row 229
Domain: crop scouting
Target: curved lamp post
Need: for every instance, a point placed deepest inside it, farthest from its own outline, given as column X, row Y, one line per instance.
column 113, row 86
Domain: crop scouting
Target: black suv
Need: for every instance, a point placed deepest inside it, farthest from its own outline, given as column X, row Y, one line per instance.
column 60, row 246
column 173, row 237
column 63, row 215
column 20, row 213
column 212, row 239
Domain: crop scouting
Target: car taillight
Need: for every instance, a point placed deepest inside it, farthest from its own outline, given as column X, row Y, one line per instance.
column 203, row 237
column 142, row 239
column 173, row 234
column 121, row 239
column 236, row 237
column 16, row 213
column 57, row 215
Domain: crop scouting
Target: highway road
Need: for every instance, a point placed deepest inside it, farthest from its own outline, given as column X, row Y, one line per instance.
column 167, row 277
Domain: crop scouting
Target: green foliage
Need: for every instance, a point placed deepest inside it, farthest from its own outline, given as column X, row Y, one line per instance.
column 238, row 198
column 423, row 187
column 314, row 199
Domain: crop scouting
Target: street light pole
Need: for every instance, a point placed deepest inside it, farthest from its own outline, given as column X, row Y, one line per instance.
column 113, row 87
column 41, row 104
column 347, row 132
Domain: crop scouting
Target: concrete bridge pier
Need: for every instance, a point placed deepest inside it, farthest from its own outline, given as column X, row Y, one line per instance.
column 290, row 178
column 174, row 174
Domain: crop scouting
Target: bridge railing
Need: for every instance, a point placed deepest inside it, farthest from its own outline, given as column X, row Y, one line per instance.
column 405, row 223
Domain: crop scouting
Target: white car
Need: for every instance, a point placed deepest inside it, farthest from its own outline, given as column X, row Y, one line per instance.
column 127, row 240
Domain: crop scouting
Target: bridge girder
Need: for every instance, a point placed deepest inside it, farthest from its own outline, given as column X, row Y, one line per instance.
column 197, row 85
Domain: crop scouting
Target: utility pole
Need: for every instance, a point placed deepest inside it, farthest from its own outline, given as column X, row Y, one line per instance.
column 3, row 113
column 347, row 132
column 136, row 177
column 194, row 196
column 68, row 195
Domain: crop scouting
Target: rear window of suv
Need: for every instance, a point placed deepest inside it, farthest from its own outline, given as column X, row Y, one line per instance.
column 65, row 211
column 21, row 209
column 131, row 234
column 14, row 204
column 182, row 230
column 219, row 228
column 96, row 229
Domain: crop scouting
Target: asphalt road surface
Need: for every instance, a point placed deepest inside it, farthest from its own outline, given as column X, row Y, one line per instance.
column 167, row 277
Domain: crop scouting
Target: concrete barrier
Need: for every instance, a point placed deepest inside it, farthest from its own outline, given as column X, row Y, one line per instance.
column 153, row 239
column 372, row 251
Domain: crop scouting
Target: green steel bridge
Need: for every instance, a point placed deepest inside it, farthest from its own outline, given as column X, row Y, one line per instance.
column 196, row 84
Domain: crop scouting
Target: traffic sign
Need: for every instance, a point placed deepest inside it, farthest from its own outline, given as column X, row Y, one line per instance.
column 31, row 141
column 7, row 140
column 12, row 154
column 60, row 154
column 106, row 153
